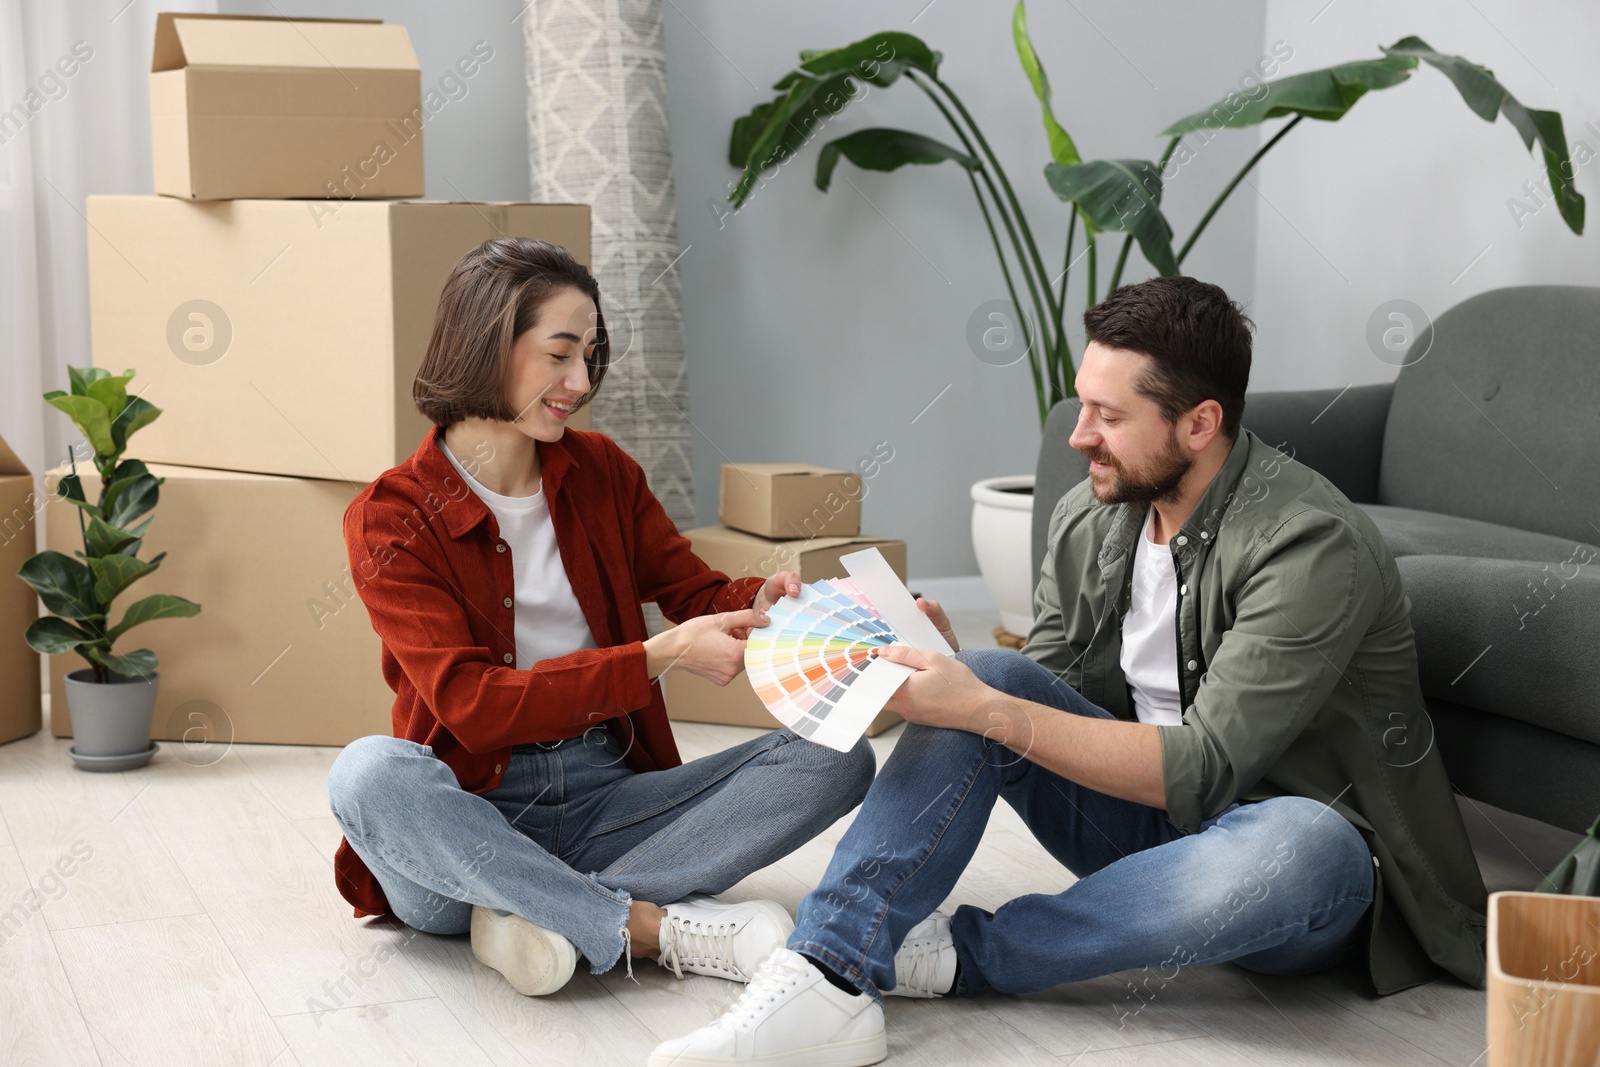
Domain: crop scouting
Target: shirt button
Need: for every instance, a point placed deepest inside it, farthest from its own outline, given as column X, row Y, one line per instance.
column 499, row 547
column 1184, row 590
column 1193, row 665
column 506, row 602
column 506, row 657
column 1204, row 534
column 1182, row 540
column 1375, row 862
column 497, row 768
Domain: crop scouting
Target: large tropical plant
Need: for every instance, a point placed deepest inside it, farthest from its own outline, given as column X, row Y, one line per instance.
column 1106, row 195
column 80, row 593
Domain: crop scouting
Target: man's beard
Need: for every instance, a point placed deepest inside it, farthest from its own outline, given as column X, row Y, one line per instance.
column 1158, row 482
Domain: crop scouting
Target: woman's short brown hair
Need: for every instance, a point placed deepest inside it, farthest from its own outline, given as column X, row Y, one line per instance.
column 491, row 298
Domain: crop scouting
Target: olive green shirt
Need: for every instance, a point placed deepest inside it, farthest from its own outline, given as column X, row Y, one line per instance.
column 1298, row 669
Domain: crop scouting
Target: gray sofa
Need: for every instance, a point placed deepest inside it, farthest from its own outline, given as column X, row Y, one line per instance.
column 1480, row 464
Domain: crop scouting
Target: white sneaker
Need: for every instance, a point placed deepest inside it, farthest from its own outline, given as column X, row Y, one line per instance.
column 925, row 966
column 788, row 1016
column 702, row 935
column 534, row 960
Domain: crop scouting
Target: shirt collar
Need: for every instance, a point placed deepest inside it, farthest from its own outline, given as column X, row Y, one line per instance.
column 437, row 475
column 1200, row 528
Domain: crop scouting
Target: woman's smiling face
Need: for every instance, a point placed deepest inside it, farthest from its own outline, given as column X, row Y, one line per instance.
column 547, row 375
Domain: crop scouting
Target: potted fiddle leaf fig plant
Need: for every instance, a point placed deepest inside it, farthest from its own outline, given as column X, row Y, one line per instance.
column 111, row 700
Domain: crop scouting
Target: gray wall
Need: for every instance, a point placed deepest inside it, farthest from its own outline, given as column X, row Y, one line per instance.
column 818, row 324
column 1407, row 196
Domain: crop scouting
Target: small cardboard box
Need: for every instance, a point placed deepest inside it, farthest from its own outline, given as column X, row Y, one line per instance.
column 283, row 336
column 247, row 106
column 739, row 555
column 21, row 699
column 282, row 651
column 790, row 500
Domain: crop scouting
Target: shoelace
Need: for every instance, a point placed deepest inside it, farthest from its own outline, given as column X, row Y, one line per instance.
column 921, row 964
column 779, row 971
column 697, row 943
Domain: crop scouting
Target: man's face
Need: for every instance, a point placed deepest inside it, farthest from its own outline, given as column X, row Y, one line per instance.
column 1134, row 453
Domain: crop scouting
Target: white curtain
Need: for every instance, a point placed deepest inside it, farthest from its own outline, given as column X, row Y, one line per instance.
column 65, row 136
column 598, row 135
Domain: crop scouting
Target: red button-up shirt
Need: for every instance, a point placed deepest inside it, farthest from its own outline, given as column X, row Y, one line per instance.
column 430, row 566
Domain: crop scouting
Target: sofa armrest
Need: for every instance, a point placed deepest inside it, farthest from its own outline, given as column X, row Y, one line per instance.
column 1338, row 436
column 1341, row 439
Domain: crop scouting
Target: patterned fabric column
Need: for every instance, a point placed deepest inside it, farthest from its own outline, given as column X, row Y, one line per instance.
column 598, row 135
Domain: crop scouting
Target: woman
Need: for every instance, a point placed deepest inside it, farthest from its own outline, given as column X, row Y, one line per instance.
column 532, row 792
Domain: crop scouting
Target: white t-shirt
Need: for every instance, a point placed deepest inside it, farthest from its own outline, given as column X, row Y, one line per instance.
column 1149, row 634
column 549, row 621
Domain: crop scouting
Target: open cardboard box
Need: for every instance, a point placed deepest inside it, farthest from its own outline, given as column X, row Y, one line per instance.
column 282, row 650
column 248, row 106
column 283, row 336
column 21, row 699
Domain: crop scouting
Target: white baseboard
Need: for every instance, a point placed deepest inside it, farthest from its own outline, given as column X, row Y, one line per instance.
column 965, row 593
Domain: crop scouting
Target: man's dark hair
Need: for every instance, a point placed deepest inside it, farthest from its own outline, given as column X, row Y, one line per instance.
column 1197, row 339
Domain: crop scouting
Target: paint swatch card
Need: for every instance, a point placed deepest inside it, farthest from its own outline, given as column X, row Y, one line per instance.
column 816, row 666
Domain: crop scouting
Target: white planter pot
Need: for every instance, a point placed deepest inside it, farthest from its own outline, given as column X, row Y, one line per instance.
column 1002, row 534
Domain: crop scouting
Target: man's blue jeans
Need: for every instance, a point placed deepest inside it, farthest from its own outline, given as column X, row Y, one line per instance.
column 571, row 836
column 1279, row 886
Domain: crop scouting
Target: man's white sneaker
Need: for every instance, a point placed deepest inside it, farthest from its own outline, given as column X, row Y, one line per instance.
column 534, row 960
column 702, row 935
column 788, row 1016
column 925, row 966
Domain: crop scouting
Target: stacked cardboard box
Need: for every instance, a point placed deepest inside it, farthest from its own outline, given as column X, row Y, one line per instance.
column 776, row 517
column 20, row 698
column 280, row 337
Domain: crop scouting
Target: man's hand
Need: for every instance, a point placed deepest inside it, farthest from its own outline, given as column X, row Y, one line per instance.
column 944, row 691
column 940, row 620
column 708, row 646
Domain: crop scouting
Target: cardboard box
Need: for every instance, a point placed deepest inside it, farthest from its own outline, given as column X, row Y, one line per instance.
column 282, row 651
column 693, row 699
column 790, row 500
column 245, row 106
column 21, row 700
column 283, row 336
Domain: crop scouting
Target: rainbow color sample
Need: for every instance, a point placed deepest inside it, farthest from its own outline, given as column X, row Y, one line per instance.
column 816, row 667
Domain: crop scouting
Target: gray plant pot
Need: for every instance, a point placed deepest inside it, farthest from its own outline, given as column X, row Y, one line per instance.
column 111, row 720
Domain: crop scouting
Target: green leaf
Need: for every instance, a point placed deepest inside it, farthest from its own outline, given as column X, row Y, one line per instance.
column 53, row 636
column 1121, row 195
column 1319, row 94
column 88, row 415
column 790, row 124
column 81, row 377
column 885, row 149
column 151, row 608
column 129, row 498
column 111, row 391
column 140, row 664
column 102, row 539
column 114, row 573
column 138, row 412
column 69, row 487
column 747, row 130
column 1062, row 150
column 65, row 585
column 880, row 59
column 1488, row 99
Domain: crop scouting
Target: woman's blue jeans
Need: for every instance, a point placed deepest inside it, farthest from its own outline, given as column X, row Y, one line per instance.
column 571, row 836
column 1279, row 886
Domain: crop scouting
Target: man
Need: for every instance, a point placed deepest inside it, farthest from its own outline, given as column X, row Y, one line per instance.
column 1216, row 724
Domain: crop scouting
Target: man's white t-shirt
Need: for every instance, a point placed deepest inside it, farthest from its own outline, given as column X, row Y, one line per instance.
column 549, row 621
column 1149, row 634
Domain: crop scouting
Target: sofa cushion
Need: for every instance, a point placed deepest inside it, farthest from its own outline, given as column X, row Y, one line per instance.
column 1513, row 637
column 1410, row 532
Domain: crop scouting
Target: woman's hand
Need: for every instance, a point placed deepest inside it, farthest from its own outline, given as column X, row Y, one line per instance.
column 940, row 620
column 708, row 646
column 780, row 585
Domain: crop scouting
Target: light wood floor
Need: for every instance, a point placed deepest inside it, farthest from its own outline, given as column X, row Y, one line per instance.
column 200, row 925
